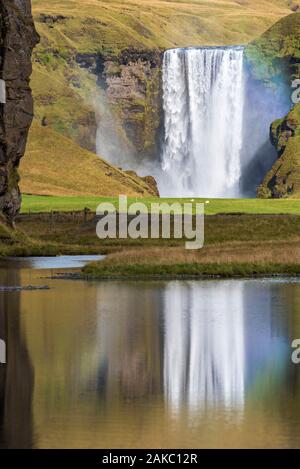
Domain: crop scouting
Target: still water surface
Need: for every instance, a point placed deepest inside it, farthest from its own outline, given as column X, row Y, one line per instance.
column 147, row 364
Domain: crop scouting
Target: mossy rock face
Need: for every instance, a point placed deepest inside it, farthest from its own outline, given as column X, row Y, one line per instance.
column 283, row 180
column 274, row 59
column 72, row 89
column 129, row 107
column 134, row 93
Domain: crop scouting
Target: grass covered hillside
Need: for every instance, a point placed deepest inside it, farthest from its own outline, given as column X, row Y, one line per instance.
column 92, row 25
column 66, row 93
column 55, row 165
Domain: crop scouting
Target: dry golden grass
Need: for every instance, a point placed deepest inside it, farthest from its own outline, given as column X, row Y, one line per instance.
column 157, row 23
column 224, row 260
column 55, row 165
column 235, row 245
column 279, row 252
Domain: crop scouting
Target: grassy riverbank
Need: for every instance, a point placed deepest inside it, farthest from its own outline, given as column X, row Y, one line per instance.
column 19, row 243
column 235, row 245
column 227, row 259
column 189, row 271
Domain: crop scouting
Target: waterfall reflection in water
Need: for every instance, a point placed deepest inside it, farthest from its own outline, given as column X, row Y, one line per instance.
column 204, row 346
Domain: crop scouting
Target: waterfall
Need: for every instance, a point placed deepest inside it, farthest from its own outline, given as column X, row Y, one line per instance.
column 203, row 99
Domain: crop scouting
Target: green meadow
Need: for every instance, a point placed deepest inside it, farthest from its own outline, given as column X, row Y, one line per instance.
column 42, row 204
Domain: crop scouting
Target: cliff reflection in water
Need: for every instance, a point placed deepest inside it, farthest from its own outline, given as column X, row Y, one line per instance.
column 16, row 377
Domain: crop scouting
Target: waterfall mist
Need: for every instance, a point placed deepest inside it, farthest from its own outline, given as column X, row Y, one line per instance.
column 203, row 97
column 108, row 142
column 263, row 105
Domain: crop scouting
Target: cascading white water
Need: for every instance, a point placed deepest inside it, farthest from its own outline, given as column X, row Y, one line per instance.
column 203, row 98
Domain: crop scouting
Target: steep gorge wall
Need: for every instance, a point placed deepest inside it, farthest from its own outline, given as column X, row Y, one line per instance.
column 17, row 39
column 131, row 82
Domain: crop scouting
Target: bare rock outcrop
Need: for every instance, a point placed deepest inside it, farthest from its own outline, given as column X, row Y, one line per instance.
column 17, row 39
column 283, row 179
column 132, row 81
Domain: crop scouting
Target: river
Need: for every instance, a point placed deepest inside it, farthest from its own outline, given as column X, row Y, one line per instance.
column 148, row 364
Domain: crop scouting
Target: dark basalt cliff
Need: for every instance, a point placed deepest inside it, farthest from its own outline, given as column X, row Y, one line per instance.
column 17, row 39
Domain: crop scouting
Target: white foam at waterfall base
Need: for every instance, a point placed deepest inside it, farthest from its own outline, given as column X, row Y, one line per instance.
column 203, row 99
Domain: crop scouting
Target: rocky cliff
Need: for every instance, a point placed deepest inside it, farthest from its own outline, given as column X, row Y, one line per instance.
column 283, row 180
column 131, row 98
column 17, row 38
column 275, row 60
